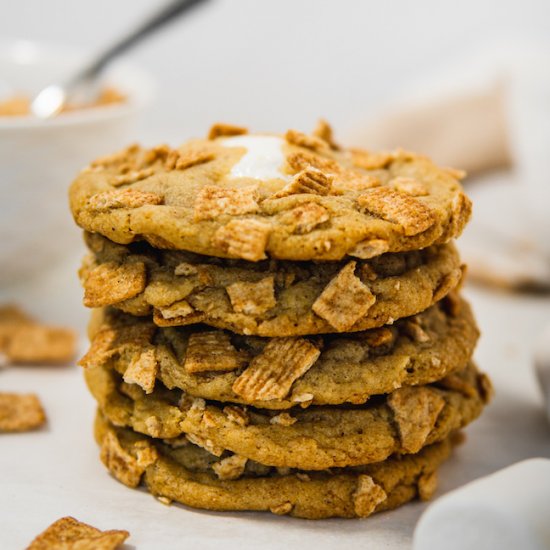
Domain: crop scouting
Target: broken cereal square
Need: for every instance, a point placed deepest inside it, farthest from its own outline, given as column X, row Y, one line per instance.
column 110, row 283
column 271, row 374
column 311, row 181
column 415, row 411
column 211, row 351
column 122, row 198
column 397, row 207
column 213, row 201
column 221, row 129
column 254, row 298
column 246, row 239
column 20, row 412
column 344, row 300
column 69, row 533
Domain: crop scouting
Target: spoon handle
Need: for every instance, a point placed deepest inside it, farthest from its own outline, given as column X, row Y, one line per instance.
column 156, row 21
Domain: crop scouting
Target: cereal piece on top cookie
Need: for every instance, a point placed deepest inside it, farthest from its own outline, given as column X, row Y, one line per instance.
column 124, row 198
column 221, row 129
column 397, row 207
column 213, row 201
column 310, row 181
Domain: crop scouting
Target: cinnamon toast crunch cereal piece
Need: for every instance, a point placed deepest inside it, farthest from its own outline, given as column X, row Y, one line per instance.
column 211, row 351
column 399, row 208
column 253, row 298
column 110, row 283
column 244, row 239
column 416, row 413
column 344, row 300
column 211, row 202
column 20, row 412
column 271, row 374
column 68, row 532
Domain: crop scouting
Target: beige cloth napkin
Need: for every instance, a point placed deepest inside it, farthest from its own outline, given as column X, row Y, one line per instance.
column 466, row 131
column 485, row 123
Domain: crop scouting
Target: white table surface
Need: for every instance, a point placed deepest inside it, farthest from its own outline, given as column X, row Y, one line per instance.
column 56, row 471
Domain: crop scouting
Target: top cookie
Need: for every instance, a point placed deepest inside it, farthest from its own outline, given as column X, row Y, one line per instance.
column 294, row 197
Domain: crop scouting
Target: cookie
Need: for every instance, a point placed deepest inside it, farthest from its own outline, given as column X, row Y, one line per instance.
column 293, row 197
column 268, row 298
column 314, row 438
column 348, row 369
column 196, row 478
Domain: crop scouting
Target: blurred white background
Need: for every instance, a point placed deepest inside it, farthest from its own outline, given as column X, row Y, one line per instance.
column 282, row 63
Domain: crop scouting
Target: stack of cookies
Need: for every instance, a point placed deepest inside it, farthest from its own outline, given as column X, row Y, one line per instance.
column 277, row 324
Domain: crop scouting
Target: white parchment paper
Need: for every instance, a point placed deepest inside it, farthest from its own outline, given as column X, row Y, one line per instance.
column 55, row 472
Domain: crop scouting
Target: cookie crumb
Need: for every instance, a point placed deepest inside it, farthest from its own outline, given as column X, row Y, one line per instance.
column 230, row 468
column 427, row 485
column 367, row 496
column 282, row 509
column 283, row 419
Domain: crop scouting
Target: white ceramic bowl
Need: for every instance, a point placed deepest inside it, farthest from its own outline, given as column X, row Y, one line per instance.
column 39, row 158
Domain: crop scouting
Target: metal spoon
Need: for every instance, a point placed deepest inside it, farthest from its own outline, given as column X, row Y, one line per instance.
column 51, row 100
